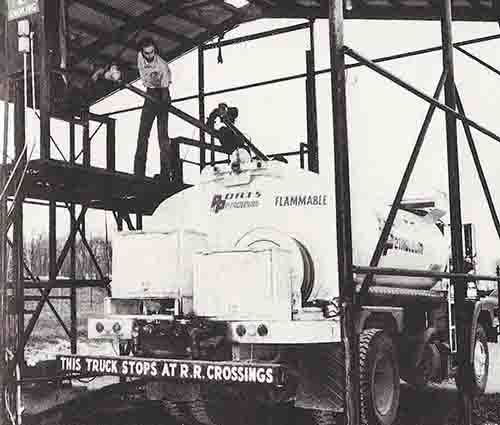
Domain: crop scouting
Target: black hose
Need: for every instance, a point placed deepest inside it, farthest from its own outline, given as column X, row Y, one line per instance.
column 308, row 280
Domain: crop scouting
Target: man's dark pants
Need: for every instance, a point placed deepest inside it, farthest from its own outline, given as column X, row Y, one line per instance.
column 150, row 111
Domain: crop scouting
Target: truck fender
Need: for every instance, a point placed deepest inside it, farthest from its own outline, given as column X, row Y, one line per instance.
column 380, row 312
column 486, row 308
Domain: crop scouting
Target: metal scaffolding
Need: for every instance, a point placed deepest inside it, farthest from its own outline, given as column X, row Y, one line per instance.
column 51, row 170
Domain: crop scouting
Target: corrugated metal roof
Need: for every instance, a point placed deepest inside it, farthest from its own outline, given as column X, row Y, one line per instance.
column 108, row 30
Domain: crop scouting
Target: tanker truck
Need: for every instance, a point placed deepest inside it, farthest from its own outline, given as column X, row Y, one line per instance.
column 226, row 306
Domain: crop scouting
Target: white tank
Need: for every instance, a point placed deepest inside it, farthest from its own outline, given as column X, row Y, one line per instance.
column 272, row 204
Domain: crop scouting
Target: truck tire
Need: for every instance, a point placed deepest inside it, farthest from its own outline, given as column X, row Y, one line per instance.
column 379, row 378
column 480, row 360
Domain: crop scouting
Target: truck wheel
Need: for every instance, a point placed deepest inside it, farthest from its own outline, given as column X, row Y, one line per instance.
column 480, row 360
column 379, row 378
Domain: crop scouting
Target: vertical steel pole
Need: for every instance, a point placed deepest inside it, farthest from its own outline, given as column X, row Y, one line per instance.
column 86, row 138
column 17, row 251
column 312, row 114
column 72, row 211
column 3, row 274
column 52, row 242
column 111, row 144
column 462, row 314
column 3, row 235
column 86, row 149
column 343, row 210
column 201, row 100
column 45, row 79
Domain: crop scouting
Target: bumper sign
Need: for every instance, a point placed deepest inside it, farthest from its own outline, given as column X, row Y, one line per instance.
column 190, row 370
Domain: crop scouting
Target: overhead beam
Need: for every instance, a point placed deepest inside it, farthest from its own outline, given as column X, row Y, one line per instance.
column 132, row 24
column 180, row 14
column 97, row 31
column 389, row 12
column 215, row 31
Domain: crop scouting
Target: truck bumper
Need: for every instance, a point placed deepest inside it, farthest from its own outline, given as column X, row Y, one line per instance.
column 271, row 374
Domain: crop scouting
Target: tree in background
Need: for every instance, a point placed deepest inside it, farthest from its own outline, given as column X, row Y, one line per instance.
column 37, row 257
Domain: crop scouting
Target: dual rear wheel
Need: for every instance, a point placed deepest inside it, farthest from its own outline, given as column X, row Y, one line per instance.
column 379, row 378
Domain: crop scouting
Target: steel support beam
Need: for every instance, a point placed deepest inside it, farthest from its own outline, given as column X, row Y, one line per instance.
column 343, row 211
column 463, row 318
column 45, row 100
column 86, row 139
column 312, row 115
column 3, row 269
column 201, row 102
column 72, row 258
column 68, row 284
column 319, row 72
column 17, row 251
column 36, row 279
column 479, row 61
column 479, row 169
column 370, row 64
column 256, row 36
column 388, row 271
column 111, row 145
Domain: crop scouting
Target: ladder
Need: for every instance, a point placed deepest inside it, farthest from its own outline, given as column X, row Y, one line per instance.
column 452, row 324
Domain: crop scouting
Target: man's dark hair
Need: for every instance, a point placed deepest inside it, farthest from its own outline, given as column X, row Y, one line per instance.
column 232, row 114
column 148, row 41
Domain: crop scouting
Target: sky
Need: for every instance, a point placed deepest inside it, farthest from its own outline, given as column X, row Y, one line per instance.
column 383, row 119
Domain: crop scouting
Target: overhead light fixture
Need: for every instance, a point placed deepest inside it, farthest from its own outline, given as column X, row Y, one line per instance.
column 237, row 3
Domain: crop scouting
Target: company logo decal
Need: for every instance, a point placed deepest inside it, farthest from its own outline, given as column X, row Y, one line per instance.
column 399, row 243
column 235, row 200
column 403, row 244
column 300, row 200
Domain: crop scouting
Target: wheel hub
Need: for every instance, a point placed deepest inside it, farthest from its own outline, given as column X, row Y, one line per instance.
column 383, row 385
column 479, row 360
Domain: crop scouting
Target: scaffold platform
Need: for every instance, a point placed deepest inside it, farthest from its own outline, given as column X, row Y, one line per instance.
column 93, row 187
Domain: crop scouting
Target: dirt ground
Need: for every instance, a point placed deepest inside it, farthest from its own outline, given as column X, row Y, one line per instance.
column 437, row 404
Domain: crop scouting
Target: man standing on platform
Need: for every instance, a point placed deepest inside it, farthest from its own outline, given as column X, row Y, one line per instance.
column 156, row 77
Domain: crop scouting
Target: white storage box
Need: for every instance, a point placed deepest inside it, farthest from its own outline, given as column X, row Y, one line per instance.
column 243, row 284
column 155, row 264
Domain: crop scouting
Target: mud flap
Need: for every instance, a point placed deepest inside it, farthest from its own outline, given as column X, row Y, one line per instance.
column 321, row 377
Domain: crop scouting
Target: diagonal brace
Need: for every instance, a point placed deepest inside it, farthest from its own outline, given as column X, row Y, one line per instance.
column 370, row 64
column 37, row 279
column 71, row 239
column 479, row 168
column 480, row 61
column 401, row 190
column 91, row 253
